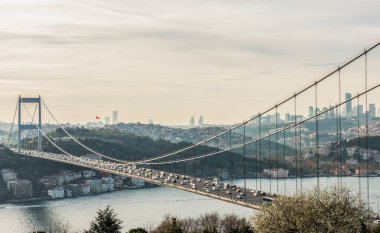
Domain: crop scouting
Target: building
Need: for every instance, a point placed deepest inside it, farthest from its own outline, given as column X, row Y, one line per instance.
column 360, row 110
column 348, row 105
column 57, row 192
column 138, row 182
column 95, row 185
column 311, row 111
column 107, row 120
column 200, row 122
column 86, row 189
column 8, row 175
column 372, row 110
column 23, row 189
column 88, row 174
column 92, row 156
column 75, row 189
column 192, row 122
column 274, row 173
column 115, row 119
column 108, row 184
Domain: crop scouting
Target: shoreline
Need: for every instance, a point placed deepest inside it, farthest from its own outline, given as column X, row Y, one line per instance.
column 47, row 198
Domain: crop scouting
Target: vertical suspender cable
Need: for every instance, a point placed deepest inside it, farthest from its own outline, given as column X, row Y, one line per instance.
column 300, row 158
column 317, row 134
column 295, row 140
column 277, row 147
column 260, row 170
column 284, row 161
column 244, row 166
column 13, row 121
column 366, row 125
column 358, row 142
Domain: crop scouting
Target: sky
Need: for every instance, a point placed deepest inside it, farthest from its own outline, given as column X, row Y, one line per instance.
column 172, row 59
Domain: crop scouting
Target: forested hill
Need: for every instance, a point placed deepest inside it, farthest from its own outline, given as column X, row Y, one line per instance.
column 126, row 146
column 373, row 142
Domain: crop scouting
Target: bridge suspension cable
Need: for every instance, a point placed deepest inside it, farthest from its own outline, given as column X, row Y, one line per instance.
column 78, row 142
column 43, row 134
column 165, row 155
column 265, row 136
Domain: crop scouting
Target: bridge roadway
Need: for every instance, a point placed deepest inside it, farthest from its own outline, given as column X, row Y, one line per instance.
column 209, row 188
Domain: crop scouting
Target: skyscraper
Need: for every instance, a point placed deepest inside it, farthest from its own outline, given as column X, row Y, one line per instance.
column 114, row 117
column 192, row 122
column 107, row 120
column 200, row 121
column 311, row 111
column 348, row 105
column 372, row 110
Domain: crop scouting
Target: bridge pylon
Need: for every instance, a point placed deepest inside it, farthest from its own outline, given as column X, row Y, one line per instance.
column 31, row 125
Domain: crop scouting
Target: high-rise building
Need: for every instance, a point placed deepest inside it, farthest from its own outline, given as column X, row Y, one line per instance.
column 200, row 121
column 348, row 105
column 372, row 110
column 311, row 111
column 107, row 120
column 114, row 117
column 360, row 110
column 192, row 122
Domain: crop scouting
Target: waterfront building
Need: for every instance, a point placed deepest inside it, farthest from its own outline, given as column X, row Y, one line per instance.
column 86, row 189
column 95, row 184
column 88, row 174
column 276, row 172
column 57, row 192
column 138, row 182
column 108, row 183
column 8, row 174
column 75, row 189
column 23, row 189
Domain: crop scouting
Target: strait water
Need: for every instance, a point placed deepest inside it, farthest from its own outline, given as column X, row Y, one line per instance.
column 147, row 207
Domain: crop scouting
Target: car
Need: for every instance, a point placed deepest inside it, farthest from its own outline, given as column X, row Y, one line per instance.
column 377, row 221
column 228, row 192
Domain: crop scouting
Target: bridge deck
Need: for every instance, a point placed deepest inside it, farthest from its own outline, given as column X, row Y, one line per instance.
column 249, row 200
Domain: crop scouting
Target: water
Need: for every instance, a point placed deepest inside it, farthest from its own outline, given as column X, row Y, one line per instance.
column 147, row 207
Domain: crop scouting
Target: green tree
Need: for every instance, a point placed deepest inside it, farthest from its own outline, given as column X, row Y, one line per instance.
column 105, row 222
column 334, row 209
column 137, row 230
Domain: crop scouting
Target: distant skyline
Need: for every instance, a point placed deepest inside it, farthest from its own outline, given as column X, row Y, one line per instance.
column 167, row 61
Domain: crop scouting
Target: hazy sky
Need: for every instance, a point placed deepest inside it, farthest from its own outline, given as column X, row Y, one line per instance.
column 169, row 60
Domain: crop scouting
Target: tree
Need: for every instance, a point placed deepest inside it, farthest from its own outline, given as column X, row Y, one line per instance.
column 105, row 222
column 137, row 230
column 169, row 225
column 334, row 209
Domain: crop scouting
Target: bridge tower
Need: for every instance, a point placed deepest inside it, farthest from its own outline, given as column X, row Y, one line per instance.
column 28, row 126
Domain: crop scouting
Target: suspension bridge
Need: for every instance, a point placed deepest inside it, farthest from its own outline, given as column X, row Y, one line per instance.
column 264, row 147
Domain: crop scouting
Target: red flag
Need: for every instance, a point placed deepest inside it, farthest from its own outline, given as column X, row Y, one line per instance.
column 97, row 118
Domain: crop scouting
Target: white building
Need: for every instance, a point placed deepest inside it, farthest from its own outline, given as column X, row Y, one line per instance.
column 108, row 183
column 351, row 161
column 9, row 175
column 276, row 172
column 115, row 117
column 88, row 174
column 138, row 182
column 95, row 185
column 86, row 189
column 57, row 192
